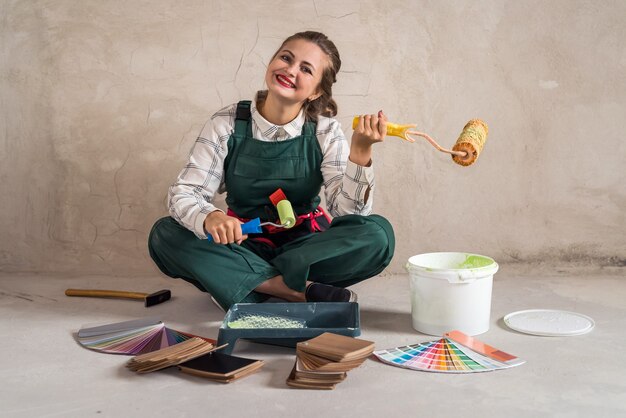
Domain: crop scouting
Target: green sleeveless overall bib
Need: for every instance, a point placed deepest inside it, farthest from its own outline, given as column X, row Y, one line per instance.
column 352, row 249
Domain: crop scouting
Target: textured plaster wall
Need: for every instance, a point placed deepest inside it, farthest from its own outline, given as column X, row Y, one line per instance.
column 100, row 102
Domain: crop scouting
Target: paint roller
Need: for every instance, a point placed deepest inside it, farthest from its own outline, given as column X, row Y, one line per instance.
column 285, row 214
column 464, row 152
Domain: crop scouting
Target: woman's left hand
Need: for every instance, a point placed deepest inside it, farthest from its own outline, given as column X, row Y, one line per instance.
column 370, row 130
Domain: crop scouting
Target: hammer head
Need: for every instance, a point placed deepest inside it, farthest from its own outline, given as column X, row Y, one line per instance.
column 158, row 297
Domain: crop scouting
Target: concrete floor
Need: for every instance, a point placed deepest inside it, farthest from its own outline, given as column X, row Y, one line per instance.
column 45, row 373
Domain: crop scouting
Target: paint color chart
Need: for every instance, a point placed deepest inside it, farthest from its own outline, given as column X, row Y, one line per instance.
column 132, row 337
column 454, row 353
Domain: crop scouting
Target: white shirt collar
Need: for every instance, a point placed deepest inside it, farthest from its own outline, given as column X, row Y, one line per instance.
column 277, row 132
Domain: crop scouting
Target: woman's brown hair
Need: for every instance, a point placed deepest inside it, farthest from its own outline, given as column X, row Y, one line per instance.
column 324, row 105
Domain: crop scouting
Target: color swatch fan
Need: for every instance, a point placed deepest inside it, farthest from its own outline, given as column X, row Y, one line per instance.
column 132, row 337
column 454, row 353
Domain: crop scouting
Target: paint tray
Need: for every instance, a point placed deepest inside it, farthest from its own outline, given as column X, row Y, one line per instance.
column 303, row 321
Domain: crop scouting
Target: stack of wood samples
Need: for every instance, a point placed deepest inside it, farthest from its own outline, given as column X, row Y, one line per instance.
column 323, row 362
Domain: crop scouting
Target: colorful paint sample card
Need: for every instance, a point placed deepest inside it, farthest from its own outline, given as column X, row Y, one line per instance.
column 131, row 337
column 455, row 353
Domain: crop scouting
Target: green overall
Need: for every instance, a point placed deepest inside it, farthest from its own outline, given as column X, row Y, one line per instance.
column 353, row 248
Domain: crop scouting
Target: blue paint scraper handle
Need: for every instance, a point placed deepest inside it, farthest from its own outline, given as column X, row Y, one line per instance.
column 250, row 227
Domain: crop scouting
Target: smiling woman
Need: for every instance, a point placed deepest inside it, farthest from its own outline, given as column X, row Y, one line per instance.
column 294, row 77
column 322, row 66
column 284, row 143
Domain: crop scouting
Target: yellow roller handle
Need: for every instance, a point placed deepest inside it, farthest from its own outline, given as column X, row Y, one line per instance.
column 393, row 129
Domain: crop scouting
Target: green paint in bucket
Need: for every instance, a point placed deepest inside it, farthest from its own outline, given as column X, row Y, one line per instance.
column 473, row 261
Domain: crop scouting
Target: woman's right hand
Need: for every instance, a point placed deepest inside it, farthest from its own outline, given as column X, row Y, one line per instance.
column 223, row 228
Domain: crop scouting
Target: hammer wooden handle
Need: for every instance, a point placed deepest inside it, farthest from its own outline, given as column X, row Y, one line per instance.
column 105, row 293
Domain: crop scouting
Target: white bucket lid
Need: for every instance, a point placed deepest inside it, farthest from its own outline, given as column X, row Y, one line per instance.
column 549, row 322
column 455, row 267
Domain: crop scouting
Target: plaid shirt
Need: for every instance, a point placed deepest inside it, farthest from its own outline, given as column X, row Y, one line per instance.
column 190, row 198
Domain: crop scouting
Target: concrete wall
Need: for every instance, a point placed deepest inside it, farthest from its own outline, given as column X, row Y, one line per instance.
column 101, row 101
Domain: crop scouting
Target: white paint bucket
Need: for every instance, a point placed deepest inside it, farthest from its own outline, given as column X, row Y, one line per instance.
column 451, row 291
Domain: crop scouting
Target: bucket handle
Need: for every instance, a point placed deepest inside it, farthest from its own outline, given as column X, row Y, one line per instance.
column 466, row 276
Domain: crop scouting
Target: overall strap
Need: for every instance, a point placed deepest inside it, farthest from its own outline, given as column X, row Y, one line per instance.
column 242, row 119
column 309, row 128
